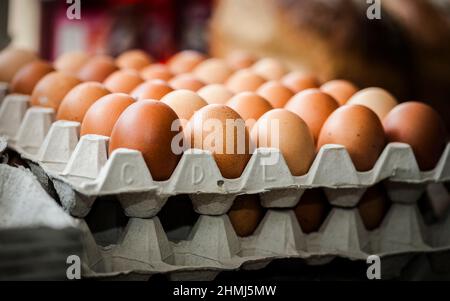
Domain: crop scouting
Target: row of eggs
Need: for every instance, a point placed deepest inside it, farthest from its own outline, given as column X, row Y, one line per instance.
column 135, row 102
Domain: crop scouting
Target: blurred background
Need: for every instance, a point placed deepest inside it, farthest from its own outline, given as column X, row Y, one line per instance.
column 407, row 51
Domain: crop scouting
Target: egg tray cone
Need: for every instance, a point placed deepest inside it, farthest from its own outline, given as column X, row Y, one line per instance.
column 80, row 171
column 212, row 246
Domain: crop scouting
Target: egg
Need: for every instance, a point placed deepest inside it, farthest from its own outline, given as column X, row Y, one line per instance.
column 240, row 60
column 28, row 76
column 185, row 61
column 151, row 89
column 146, row 126
column 314, row 107
column 220, row 130
column 212, row 71
column 76, row 103
column 244, row 80
column 246, row 214
column 340, row 89
column 359, row 130
column 97, row 69
column 378, row 100
column 134, row 59
column 298, row 81
column 311, row 210
column 277, row 94
column 250, row 106
column 186, row 81
column 215, row 94
column 101, row 117
column 420, row 126
column 184, row 103
column 373, row 207
column 123, row 81
column 156, row 71
column 71, row 62
column 282, row 129
column 11, row 60
column 269, row 68
column 51, row 89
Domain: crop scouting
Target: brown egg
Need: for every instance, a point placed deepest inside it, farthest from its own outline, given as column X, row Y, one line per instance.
column 76, row 103
column 101, row 117
column 146, row 126
column 269, row 68
column 373, row 207
column 359, row 130
column 134, row 59
column 420, row 126
column 244, row 80
column 250, row 106
column 51, row 89
column 340, row 89
column 11, row 60
column 240, row 60
column 71, row 62
column 123, row 81
column 311, row 210
column 185, row 103
column 212, row 71
column 156, row 71
column 378, row 100
column 215, row 94
column 151, row 89
column 298, row 81
column 28, row 76
column 277, row 94
column 186, row 81
column 97, row 69
column 314, row 107
column 185, row 61
column 286, row 131
column 229, row 144
column 245, row 214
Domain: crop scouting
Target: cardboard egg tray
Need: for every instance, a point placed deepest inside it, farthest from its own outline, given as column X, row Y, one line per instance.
column 80, row 171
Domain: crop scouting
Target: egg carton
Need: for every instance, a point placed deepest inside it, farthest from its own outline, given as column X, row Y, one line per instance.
column 80, row 170
column 212, row 246
column 3, row 90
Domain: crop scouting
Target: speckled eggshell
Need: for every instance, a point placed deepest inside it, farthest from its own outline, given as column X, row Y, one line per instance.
column 359, row 130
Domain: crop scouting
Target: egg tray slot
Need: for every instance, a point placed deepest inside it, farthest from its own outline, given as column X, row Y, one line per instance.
column 80, row 169
column 212, row 246
column 4, row 87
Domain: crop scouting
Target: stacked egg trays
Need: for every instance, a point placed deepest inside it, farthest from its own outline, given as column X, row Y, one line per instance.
column 80, row 171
